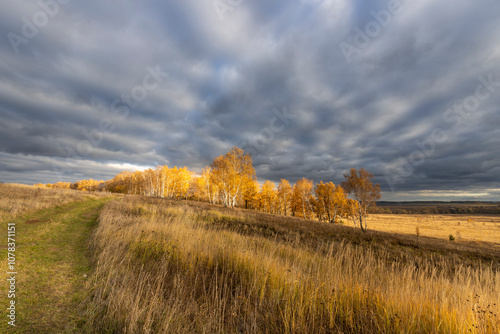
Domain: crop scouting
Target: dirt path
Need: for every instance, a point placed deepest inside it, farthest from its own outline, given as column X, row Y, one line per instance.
column 51, row 261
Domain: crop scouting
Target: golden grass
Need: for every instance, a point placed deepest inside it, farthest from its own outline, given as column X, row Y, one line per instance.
column 18, row 199
column 477, row 228
column 180, row 267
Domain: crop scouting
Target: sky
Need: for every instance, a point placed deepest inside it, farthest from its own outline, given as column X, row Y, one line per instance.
column 409, row 90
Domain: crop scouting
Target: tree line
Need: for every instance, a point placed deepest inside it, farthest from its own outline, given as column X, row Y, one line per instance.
column 429, row 209
column 230, row 180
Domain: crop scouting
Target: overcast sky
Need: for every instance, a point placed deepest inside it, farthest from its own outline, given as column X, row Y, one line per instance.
column 409, row 90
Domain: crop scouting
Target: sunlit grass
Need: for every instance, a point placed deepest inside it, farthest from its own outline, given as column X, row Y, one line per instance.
column 167, row 267
column 18, row 199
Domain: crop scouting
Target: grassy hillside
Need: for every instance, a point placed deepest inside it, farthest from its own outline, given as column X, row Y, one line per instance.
column 186, row 267
column 142, row 265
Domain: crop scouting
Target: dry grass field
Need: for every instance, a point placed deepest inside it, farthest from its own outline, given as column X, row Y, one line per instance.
column 18, row 199
column 475, row 228
column 186, row 267
column 165, row 266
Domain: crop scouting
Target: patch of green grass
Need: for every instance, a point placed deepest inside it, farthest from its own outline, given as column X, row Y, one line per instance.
column 52, row 263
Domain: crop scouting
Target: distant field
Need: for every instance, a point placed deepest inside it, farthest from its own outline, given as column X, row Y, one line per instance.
column 478, row 228
column 423, row 207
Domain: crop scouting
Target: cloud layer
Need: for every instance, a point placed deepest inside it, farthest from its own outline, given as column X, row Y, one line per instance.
column 409, row 90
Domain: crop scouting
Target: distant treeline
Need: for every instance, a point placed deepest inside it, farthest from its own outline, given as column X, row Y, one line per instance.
column 451, row 208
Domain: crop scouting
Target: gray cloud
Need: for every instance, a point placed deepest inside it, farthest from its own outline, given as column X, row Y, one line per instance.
column 59, row 119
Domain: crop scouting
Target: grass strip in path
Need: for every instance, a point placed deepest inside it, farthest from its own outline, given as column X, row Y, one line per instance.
column 52, row 263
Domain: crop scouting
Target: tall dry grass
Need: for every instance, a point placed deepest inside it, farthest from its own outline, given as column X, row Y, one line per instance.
column 166, row 267
column 18, row 199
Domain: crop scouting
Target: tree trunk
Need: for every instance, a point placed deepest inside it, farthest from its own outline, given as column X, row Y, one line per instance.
column 303, row 208
column 327, row 211
column 361, row 223
column 284, row 203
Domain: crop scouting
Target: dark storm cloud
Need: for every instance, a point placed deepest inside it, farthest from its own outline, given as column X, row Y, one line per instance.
column 68, row 110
